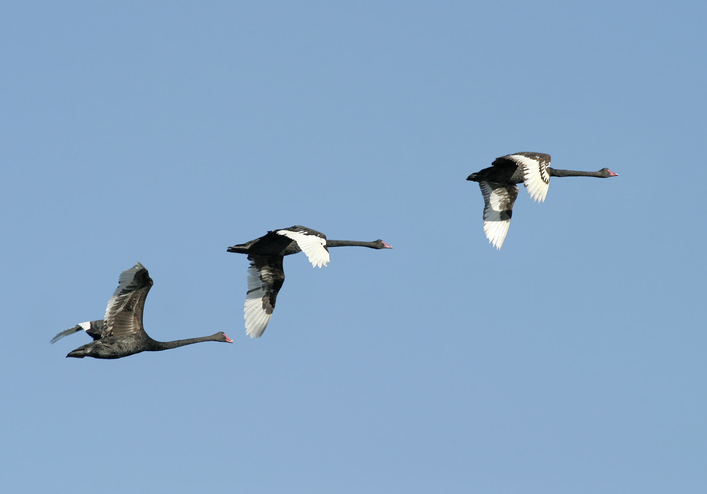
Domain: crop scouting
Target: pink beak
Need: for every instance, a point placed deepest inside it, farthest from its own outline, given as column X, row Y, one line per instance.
column 613, row 174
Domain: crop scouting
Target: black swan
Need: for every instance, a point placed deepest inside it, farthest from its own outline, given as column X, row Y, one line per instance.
column 499, row 190
column 266, row 275
column 121, row 333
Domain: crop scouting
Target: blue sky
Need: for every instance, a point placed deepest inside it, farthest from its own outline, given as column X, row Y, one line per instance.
column 162, row 132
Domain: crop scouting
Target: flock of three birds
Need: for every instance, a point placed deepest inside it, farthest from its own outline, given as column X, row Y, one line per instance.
column 120, row 333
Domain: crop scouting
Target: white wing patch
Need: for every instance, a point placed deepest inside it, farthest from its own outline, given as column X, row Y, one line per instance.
column 256, row 318
column 536, row 175
column 85, row 325
column 498, row 206
column 313, row 246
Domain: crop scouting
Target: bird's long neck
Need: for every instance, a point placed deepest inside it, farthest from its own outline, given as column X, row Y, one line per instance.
column 156, row 346
column 348, row 243
column 554, row 172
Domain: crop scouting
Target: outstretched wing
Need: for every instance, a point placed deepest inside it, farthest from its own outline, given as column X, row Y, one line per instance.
column 93, row 328
column 69, row 331
column 536, row 173
column 312, row 243
column 265, row 278
column 498, row 209
column 125, row 307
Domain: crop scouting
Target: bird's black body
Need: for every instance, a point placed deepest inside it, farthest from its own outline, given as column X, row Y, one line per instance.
column 273, row 244
column 112, row 347
column 503, row 171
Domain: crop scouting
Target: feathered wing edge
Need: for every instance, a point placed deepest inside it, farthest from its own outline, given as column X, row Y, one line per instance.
column 313, row 246
column 125, row 307
column 265, row 278
column 536, row 174
column 84, row 326
column 498, row 209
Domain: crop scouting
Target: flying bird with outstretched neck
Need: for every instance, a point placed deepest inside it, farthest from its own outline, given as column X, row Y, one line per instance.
column 120, row 333
column 498, row 186
column 266, row 274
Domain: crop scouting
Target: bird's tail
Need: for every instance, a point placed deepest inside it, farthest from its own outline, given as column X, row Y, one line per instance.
column 239, row 249
column 80, row 352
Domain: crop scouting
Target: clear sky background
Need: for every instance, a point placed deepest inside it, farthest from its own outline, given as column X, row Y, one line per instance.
column 573, row 360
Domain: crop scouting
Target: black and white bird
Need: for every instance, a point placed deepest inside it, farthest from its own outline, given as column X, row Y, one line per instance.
column 498, row 186
column 121, row 332
column 266, row 274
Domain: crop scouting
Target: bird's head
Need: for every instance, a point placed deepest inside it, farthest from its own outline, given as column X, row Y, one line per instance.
column 221, row 336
